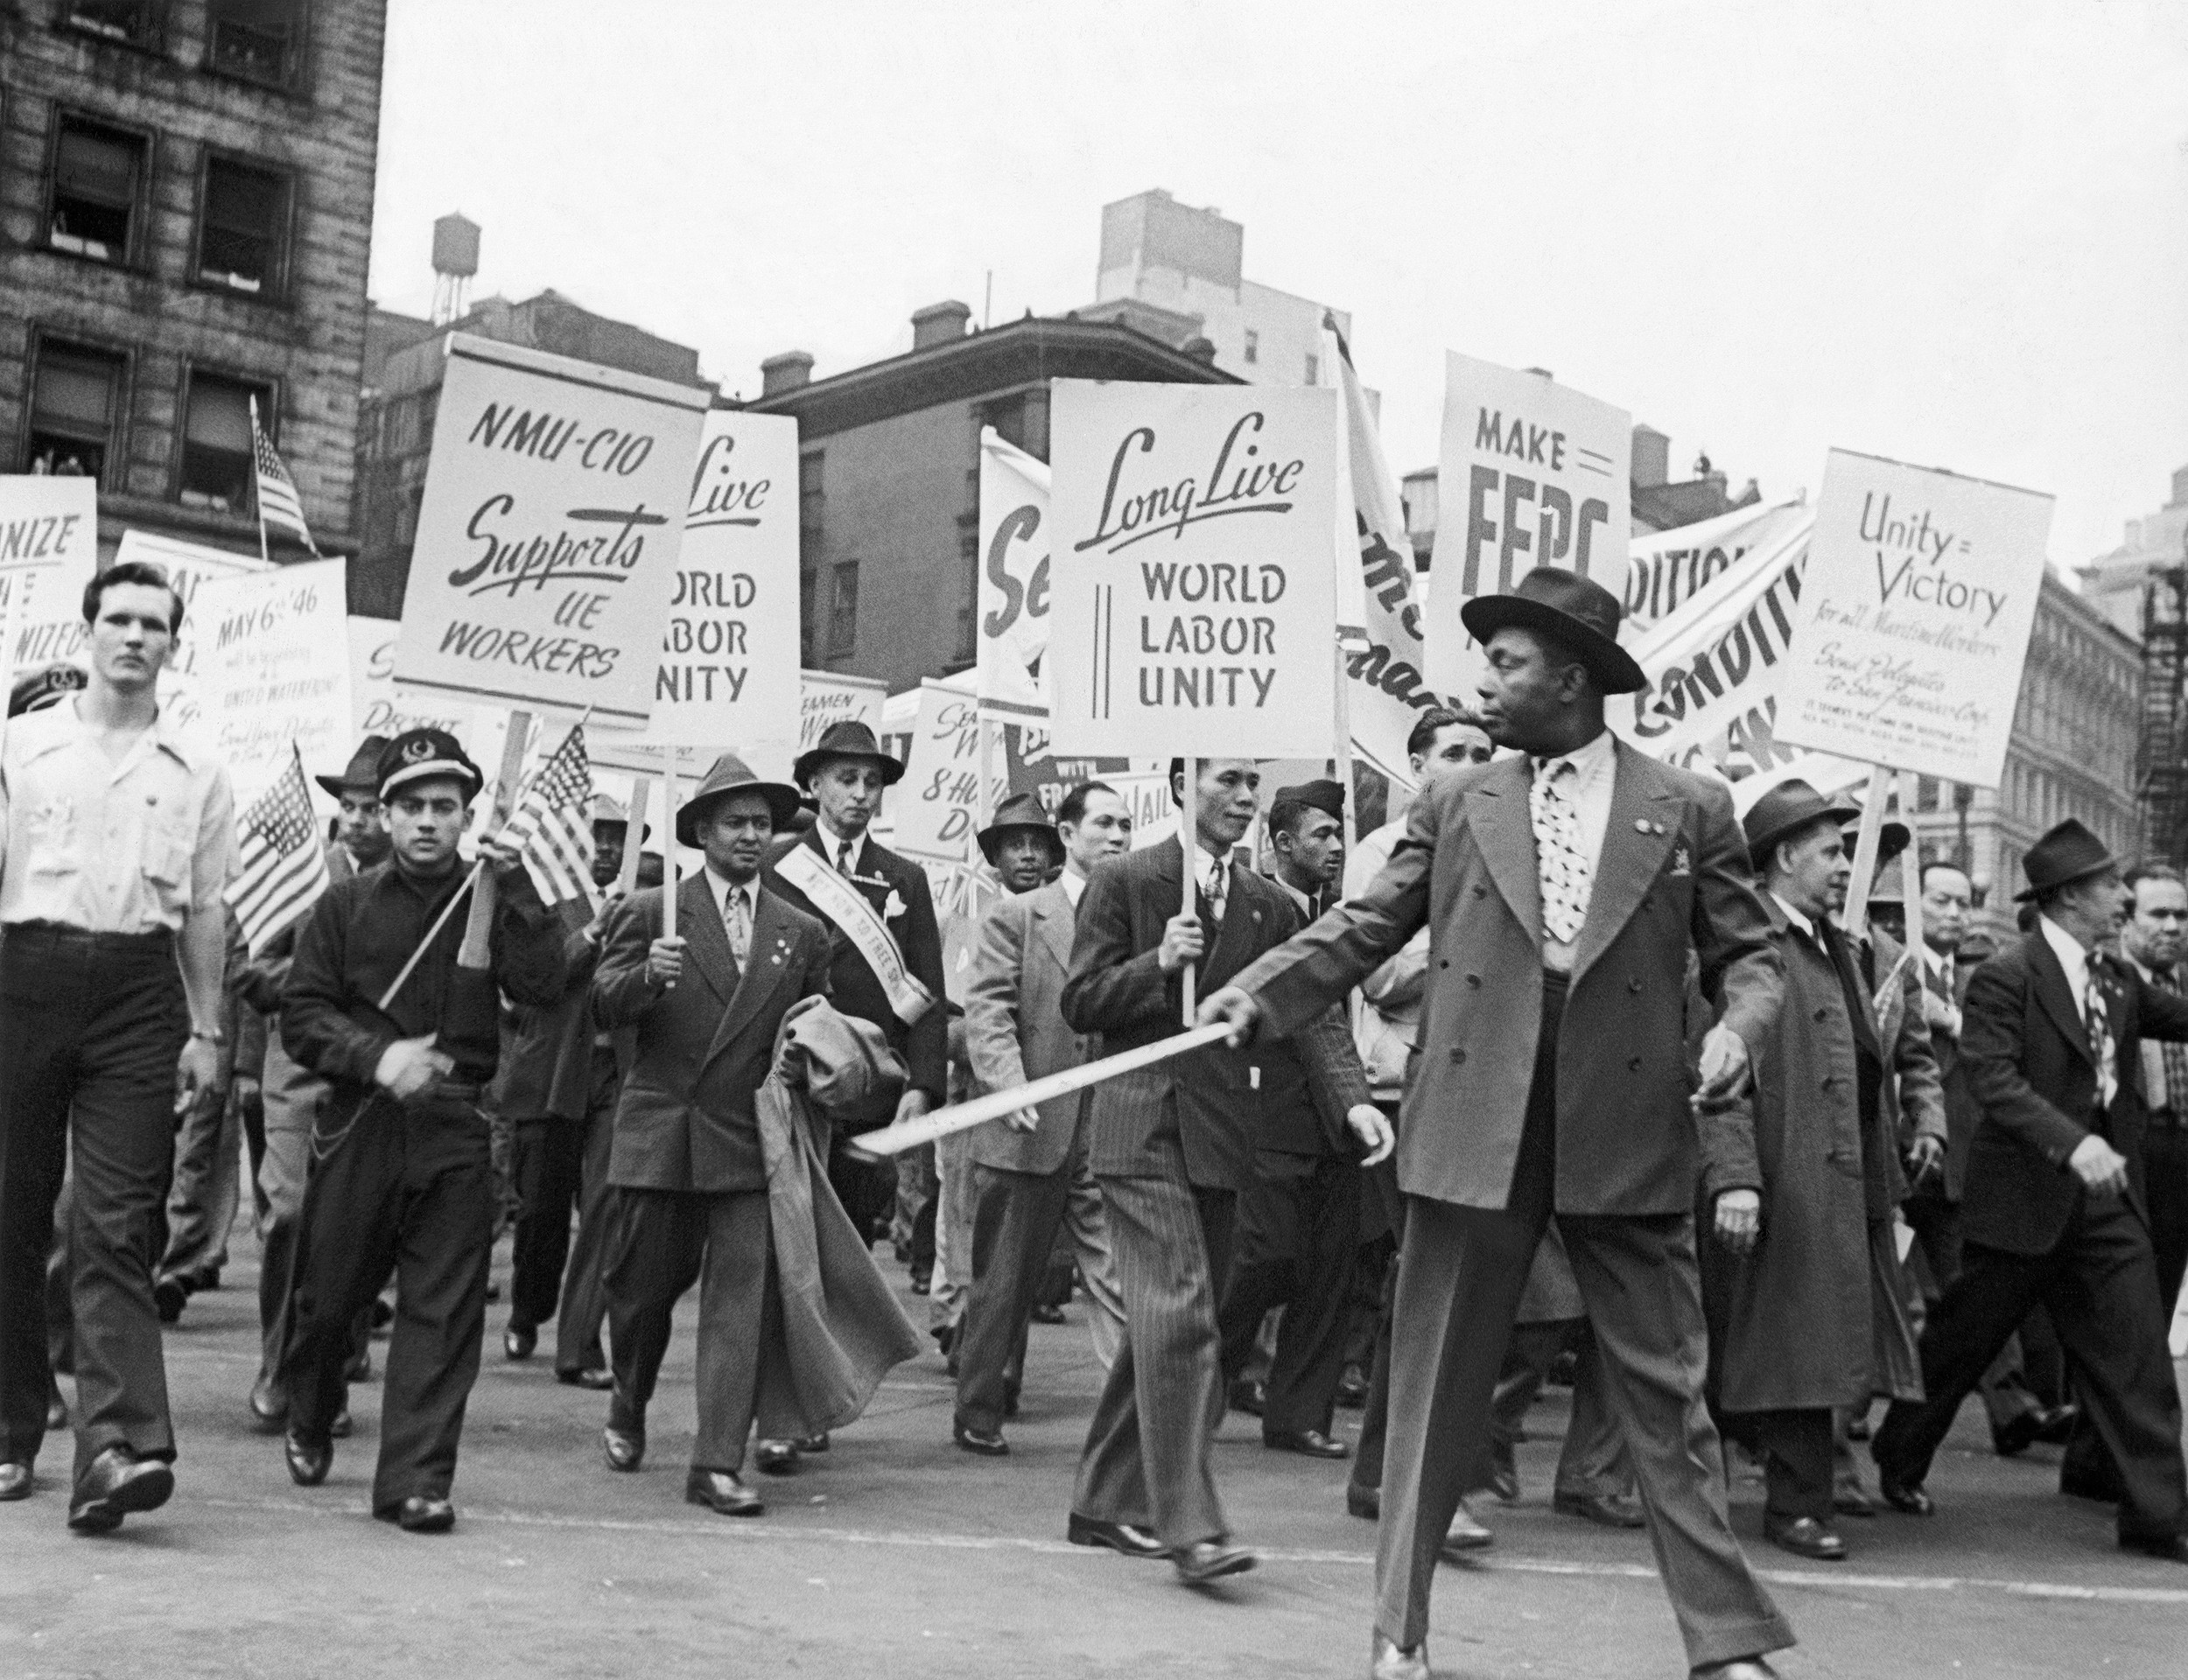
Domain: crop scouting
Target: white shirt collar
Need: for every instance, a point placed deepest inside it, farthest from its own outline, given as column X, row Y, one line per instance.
column 1073, row 884
column 833, row 844
column 2071, row 957
column 1935, row 960
column 721, row 888
column 1588, row 762
column 1800, row 919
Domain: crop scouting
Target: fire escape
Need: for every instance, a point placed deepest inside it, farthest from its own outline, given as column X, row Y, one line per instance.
column 2162, row 757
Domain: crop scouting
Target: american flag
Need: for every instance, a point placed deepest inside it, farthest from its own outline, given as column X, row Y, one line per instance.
column 553, row 827
column 278, row 503
column 282, row 871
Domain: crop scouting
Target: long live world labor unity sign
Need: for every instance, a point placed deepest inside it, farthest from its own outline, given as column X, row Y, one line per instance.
column 1914, row 619
column 1191, row 567
column 548, row 535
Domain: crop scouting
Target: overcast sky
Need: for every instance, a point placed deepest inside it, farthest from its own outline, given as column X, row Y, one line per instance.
column 1953, row 233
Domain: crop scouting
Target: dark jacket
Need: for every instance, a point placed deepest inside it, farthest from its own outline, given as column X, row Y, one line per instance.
column 360, row 933
column 2030, row 1071
column 548, row 1074
column 685, row 1119
column 925, row 1044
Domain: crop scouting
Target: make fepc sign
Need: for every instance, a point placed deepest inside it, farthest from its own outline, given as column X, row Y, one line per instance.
column 1531, row 474
column 1192, row 569
column 1914, row 619
column 547, row 540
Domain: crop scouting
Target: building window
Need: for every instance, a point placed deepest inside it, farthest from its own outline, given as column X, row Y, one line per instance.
column 255, row 39
column 1253, row 345
column 809, row 485
column 216, row 452
column 97, row 172
column 1925, row 793
column 969, row 607
column 843, row 610
column 75, row 399
column 807, row 587
column 116, row 20
column 1314, row 365
column 244, row 232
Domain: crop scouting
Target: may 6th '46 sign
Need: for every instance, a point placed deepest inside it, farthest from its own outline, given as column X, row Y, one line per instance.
column 1192, row 569
column 547, row 540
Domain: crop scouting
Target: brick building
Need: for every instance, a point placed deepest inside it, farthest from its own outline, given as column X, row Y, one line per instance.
column 186, row 206
column 889, row 473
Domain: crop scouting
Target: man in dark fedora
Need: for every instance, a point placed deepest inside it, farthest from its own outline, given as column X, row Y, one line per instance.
column 1566, row 890
column 2054, row 1213
column 689, row 1176
column 1027, row 1166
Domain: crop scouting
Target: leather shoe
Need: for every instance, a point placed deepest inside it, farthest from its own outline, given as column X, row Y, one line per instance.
column 1308, row 1443
column 989, row 1444
column 1905, row 1497
column 1504, row 1482
column 56, row 1413
column 1364, row 1503
column 1465, row 1534
column 421, row 1514
column 358, row 1368
column 308, row 1461
column 339, row 1429
column 269, row 1406
column 170, row 1296
column 518, row 1341
column 1387, row 1661
column 776, row 1458
column 723, row 1491
column 1117, row 1537
column 2166, row 1548
column 2017, row 1434
column 591, row 1377
column 1804, row 1537
column 1611, row 1510
column 1853, row 1502
column 2056, row 1424
column 809, row 1444
column 1047, row 1315
column 1741, row 1667
column 1209, row 1560
column 15, row 1483
column 117, row 1483
column 623, row 1440
column 1248, row 1395
column 1352, row 1389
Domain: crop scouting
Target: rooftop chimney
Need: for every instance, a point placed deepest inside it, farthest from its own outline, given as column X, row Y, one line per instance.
column 939, row 323
column 1201, row 349
column 1652, row 457
column 785, row 372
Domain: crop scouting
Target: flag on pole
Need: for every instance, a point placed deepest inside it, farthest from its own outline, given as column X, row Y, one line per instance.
column 283, row 869
column 552, row 829
column 278, row 503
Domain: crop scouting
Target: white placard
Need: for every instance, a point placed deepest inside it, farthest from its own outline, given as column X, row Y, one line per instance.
column 937, row 806
column 273, row 668
column 49, row 549
column 380, row 706
column 829, row 697
column 1915, row 613
column 1532, row 474
column 548, row 536
column 1191, row 567
column 189, row 567
column 1014, row 572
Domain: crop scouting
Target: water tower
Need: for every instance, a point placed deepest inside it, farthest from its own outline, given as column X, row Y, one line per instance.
column 455, row 261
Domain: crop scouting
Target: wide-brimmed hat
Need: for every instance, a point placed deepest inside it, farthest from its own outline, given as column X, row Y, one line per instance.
column 1019, row 811
column 848, row 738
column 362, row 775
column 731, row 775
column 1892, row 841
column 1584, row 615
column 1786, row 810
column 421, row 754
column 2065, row 854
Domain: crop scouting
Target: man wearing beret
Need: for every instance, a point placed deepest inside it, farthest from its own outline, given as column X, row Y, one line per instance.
column 400, row 1175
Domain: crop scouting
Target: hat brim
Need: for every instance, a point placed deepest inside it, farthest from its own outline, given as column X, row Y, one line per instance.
column 809, row 762
column 339, row 785
column 435, row 770
column 1614, row 669
column 989, row 838
column 782, row 806
column 1837, row 816
column 2028, row 895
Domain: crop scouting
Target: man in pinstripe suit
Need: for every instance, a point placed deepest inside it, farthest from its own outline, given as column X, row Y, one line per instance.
column 1172, row 1146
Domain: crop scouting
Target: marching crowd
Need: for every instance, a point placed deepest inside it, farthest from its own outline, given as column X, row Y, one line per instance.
column 1568, row 1071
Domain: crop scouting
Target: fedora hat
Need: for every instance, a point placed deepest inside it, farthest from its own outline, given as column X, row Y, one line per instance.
column 362, row 774
column 422, row 755
column 1892, row 841
column 2061, row 856
column 1584, row 615
column 731, row 775
column 848, row 738
column 1019, row 811
column 1786, row 810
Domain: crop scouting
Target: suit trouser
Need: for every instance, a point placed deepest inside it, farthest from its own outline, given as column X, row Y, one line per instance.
column 2100, row 1285
column 1298, row 1224
column 1461, row 1274
column 663, row 1242
column 1936, row 1223
column 584, row 1288
column 292, row 1094
column 1146, row 1461
column 1592, row 1464
column 408, row 1187
column 548, row 1166
column 91, row 1026
column 201, row 1201
column 1796, row 1445
column 951, row 1228
column 2165, row 1175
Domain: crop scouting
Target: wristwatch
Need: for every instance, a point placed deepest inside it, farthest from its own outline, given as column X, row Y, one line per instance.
column 211, row 1035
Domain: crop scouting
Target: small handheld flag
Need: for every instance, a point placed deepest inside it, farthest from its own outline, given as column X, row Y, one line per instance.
column 552, row 827
column 283, row 869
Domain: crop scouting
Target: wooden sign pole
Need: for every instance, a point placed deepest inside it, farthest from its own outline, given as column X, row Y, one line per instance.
column 633, row 837
column 475, row 952
column 1911, row 870
column 1880, row 783
column 668, row 846
column 1188, row 841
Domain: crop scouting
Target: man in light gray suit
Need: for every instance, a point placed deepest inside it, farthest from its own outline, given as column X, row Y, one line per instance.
column 1030, row 1170
column 1563, row 891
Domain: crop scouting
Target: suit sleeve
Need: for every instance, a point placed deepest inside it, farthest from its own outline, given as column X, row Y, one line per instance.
column 992, row 998
column 1914, row 1059
column 621, row 994
column 316, row 1028
column 1332, row 1061
column 1111, row 989
column 2160, row 1014
column 529, row 964
column 1724, row 1128
column 1990, row 1059
column 1741, row 969
column 927, row 1047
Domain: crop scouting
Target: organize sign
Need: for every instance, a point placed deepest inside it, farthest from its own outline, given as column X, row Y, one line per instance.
column 1191, row 567
column 49, row 549
column 548, row 536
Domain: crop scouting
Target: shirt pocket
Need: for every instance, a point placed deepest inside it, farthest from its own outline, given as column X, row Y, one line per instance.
column 50, row 827
column 167, row 859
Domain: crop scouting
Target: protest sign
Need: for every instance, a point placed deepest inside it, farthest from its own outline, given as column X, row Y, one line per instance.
column 273, row 669
column 1014, row 572
column 828, row 697
column 937, row 806
column 189, row 567
column 1532, row 474
column 1191, row 569
column 380, row 706
column 1914, row 619
column 1664, row 570
column 49, row 549
column 548, row 533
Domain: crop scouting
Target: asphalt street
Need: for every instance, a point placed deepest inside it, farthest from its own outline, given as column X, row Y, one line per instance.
column 898, row 1555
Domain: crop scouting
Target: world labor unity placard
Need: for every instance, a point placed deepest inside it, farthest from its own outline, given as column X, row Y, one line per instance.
column 1192, row 569
column 1914, row 619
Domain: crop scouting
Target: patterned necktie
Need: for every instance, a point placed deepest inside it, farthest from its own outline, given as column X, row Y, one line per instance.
column 1215, row 877
column 844, row 860
column 2098, row 1024
column 737, row 919
column 2169, row 1089
column 1566, row 879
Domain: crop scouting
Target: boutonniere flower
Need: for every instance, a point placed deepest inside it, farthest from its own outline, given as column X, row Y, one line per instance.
column 894, row 907
column 1681, row 863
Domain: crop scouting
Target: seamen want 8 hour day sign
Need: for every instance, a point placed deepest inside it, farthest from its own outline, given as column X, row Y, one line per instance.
column 1193, row 570
column 548, row 536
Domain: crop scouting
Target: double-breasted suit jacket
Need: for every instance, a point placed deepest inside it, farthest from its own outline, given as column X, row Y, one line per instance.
column 1014, row 1027
column 1671, row 876
column 685, row 1119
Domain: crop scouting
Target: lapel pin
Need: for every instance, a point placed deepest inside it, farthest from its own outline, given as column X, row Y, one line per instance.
column 1640, row 825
